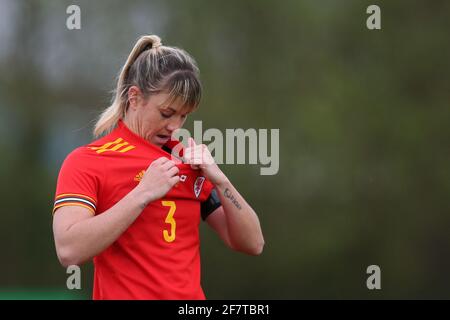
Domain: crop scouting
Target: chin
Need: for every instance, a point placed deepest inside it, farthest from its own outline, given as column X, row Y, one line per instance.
column 152, row 141
column 156, row 143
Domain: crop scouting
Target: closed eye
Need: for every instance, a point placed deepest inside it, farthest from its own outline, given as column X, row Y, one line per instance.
column 165, row 115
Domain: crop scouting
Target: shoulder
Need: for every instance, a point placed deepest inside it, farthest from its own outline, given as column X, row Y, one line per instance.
column 81, row 157
column 85, row 158
column 91, row 151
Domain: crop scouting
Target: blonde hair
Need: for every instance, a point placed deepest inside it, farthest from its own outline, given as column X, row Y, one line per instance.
column 153, row 68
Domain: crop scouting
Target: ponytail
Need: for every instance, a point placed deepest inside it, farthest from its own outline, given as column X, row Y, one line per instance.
column 116, row 111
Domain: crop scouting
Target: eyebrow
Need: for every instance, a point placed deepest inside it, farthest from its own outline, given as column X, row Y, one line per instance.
column 172, row 110
column 163, row 108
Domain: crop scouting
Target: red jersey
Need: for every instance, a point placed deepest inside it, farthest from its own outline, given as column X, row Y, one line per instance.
column 158, row 256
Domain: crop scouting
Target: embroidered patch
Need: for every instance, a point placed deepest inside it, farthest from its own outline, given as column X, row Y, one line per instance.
column 198, row 184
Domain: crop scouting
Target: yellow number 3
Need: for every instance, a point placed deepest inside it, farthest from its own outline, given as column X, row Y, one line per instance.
column 170, row 220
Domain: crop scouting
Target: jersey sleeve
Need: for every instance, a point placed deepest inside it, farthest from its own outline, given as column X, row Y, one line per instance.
column 78, row 182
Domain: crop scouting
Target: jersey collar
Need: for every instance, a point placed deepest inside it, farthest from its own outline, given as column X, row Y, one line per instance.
column 129, row 135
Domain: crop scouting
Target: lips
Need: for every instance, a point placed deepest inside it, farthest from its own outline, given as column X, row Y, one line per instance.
column 162, row 138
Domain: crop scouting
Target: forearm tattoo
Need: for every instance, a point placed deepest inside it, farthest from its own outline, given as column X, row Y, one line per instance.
column 233, row 200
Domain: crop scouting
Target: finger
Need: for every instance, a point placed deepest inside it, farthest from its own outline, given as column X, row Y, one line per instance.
column 197, row 160
column 174, row 180
column 192, row 146
column 195, row 150
column 155, row 163
column 168, row 164
column 173, row 171
column 188, row 155
column 195, row 166
column 192, row 143
column 161, row 160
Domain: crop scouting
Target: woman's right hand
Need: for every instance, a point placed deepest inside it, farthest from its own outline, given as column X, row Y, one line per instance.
column 158, row 179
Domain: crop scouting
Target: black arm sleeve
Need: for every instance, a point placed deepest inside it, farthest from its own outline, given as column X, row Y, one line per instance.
column 212, row 203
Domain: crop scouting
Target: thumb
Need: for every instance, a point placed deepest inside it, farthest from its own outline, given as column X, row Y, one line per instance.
column 191, row 145
column 191, row 142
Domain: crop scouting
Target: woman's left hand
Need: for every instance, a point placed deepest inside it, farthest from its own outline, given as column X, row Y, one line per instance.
column 199, row 157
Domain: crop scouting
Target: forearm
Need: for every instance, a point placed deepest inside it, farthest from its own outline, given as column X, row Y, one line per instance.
column 243, row 225
column 87, row 238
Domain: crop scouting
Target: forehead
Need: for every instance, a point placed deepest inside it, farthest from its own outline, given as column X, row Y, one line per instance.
column 165, row 102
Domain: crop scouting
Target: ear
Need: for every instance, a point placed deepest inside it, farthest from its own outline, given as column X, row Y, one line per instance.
column 134, row 95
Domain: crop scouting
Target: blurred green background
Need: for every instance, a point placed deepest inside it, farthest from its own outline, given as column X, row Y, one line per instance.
column 364, row 136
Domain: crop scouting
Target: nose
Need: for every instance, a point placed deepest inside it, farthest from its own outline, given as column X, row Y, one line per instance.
column 174, row 124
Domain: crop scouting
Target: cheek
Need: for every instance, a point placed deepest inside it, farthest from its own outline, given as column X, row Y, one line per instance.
column 157, row 125
column 147, row 125
column 152, row 119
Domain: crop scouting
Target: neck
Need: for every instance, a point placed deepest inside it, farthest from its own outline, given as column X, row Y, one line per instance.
column 134, row 125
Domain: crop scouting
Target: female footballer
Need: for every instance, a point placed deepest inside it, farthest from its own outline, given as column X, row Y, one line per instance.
column 124, row 201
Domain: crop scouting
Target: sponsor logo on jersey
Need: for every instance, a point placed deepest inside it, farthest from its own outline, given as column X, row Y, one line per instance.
column 139, row 176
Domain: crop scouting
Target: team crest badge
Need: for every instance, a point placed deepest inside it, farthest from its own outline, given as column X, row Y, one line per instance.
column 198, row 184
